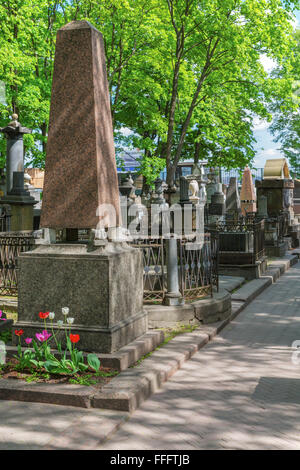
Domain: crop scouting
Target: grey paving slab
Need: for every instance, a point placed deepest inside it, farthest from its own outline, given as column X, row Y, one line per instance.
column 240, row 392
column 230, row 283
column 37, row 426
column 251, row 289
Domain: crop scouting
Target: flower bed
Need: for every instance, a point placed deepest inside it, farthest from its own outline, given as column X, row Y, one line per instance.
column 38, row 363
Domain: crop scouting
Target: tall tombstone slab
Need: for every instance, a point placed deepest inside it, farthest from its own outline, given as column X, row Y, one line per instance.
column 101, row 281
column 80, row 148
column 233, row 202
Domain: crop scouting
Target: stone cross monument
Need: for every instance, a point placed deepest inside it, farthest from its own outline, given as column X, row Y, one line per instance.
column 101, row 281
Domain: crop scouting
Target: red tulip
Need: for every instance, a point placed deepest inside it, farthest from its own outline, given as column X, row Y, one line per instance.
column 19, row 332
column 74, row 338
column 43, row 315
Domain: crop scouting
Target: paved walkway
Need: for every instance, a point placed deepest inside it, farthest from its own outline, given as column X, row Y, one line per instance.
column 241, row 391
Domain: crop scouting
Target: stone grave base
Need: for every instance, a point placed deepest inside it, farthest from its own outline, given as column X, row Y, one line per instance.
column 248, row 271
column 276, row 251
column 101, row 286
column 206, row 310
column 93, row 339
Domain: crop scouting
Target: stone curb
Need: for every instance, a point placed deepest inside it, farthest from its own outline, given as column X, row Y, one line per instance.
column 130, row 388
column 71, row 395
column 251, row 290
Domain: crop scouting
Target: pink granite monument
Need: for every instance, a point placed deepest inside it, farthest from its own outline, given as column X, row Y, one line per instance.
column 248, row 196
column 101, row 281
column 80, row 173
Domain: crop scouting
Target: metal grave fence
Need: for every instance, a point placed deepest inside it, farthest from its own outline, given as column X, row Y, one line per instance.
column 11, row 245
column 197, row 266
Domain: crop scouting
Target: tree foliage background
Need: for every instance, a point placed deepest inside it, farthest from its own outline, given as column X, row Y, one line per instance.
column 286, row 123
column 185, row 76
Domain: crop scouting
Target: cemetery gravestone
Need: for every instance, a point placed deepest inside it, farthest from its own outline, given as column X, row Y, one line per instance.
column 102, row 281
column 247, row 196
column 233, row 202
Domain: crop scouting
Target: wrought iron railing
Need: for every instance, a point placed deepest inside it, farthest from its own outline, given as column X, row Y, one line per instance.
column 197, row 264
column 11, row 245
column 197, row 267
column 4, row 221
column 246, row 235
column 155, row 274
column 259, row 240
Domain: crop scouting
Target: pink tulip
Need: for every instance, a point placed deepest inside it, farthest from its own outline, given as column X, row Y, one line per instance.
column 43, row 336
column 3, row 319
column 28, row 340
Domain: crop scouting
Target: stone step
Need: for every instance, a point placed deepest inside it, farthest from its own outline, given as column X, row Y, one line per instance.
column 251, row 290
column 230, row 283
column 272, row 273
column 284, row 263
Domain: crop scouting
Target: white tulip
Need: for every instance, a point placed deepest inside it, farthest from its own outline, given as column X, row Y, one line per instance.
column 65, row 310
column 60, row 323
column 51, row 315
column 70, row 320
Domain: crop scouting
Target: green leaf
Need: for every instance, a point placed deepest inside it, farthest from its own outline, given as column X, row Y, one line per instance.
column 93, row 362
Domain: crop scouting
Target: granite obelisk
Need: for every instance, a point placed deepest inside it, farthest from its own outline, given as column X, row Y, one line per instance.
column 248, row 196
column 80, row 148
column 233, row 202
column 101, row 281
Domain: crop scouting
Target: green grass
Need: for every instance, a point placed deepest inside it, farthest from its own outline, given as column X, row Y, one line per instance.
column 170, row 333
column 82, row 380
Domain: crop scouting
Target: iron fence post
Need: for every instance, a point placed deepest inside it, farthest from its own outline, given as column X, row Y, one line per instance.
column 173, row 295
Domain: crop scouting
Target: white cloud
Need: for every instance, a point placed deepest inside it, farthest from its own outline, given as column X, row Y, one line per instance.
column 295, row 23
column 270, row 153
column 264, row 155
column 125, row 131
column 260, row 125
column 268, row 63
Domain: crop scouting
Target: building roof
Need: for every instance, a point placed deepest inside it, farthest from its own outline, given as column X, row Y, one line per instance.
column 276, row 168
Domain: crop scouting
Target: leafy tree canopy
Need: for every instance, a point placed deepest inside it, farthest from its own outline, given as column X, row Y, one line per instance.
column 185, row 76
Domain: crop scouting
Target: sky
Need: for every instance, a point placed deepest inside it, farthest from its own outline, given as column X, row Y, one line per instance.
column 265, row 147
